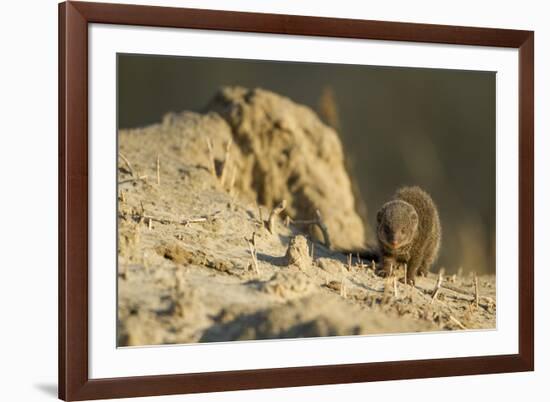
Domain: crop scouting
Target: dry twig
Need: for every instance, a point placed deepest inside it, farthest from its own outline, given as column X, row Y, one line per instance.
column 260, row 215
column 158, row 170
column 454, row 320
column 127, row 162
column 252, row 248
column 223, row 169
column 323, row 228
column 274, row 213
column 211, row 157
column 359, row 261
column 319, row 222
column 388, row 289
column 435, row 292
column 186, row 222
column 343, row 292
column 133, row 180
column 141, row 216
column 457, row 289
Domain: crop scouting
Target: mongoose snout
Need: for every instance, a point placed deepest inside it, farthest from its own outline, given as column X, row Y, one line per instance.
column 397, row 224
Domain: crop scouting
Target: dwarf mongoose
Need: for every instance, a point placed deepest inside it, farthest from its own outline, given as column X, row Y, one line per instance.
column 409, row 232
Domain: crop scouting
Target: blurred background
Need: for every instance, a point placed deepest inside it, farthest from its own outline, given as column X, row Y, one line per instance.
column 399, row 126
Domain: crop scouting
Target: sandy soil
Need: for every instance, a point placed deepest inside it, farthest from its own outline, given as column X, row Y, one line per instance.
column 186, row 271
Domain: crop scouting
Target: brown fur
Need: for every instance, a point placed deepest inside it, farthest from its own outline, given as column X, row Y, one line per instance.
column 409, row 232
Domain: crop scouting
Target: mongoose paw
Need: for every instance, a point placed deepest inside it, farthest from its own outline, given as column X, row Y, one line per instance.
column 382, row 273
column 409, row 281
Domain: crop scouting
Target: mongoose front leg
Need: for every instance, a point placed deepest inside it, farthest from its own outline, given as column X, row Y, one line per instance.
column 388, row 264
column 412, row 270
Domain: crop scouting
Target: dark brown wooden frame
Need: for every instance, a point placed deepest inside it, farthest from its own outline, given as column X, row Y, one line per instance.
column 74, row 383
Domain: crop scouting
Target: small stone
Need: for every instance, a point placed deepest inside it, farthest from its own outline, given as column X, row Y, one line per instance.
column 298, row 252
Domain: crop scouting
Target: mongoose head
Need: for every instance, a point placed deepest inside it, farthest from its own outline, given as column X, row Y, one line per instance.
column 397, row 224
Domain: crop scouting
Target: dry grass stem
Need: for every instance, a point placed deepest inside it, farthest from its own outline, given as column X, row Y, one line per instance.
column 192, row 220
column 133, row 180
column 252, row 248
column 211, row 157
column 343, row 292
column 323, row 228
column 457, row 290
column 158, row 170
column 225, row 163
column 260, row 215
column 437, row 287
column 274, row 213
column 127, row 162
column 388, row 289
column 454, row 320
column 142, row 216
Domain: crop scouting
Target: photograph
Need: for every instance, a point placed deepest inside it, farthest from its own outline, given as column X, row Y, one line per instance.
column 275, row 201
column 263, row 199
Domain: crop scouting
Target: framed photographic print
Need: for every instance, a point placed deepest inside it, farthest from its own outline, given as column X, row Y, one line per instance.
column 257, row 200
